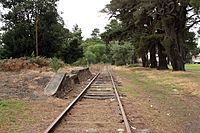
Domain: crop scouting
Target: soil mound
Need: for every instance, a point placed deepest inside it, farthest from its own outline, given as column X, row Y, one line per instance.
column 22, row 63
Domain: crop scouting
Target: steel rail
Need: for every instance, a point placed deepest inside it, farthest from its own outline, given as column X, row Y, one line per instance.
column 128, row 129
column 57, row 120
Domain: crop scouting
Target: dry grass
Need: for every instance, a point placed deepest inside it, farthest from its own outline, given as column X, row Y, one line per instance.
column 183, row 81
column 166, row 101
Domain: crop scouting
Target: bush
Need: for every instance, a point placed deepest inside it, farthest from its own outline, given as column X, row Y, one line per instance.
column 81, row 62
column 41, row 61
column 56, row 63
column 94, row 52
column 121, row 54
column 2, row 53
column 90, row 57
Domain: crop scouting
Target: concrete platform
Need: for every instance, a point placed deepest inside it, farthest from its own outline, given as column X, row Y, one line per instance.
column 54, row 84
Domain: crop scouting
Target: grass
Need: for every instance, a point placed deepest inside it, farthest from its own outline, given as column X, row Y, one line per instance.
column 162, row 96
column 159, row 84
column 128, row 89
column 134, row 65
column 9, row 111
column 193, row 67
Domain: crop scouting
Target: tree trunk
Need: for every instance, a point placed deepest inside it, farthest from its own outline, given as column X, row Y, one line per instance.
column 174, row 26
column 134, row 59
column 162, row 57
column 153, row 60
column 175, row 47
column 176, row 58
column 145, row 60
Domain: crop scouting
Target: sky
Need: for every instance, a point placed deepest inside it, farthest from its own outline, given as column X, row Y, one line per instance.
column 85, row 13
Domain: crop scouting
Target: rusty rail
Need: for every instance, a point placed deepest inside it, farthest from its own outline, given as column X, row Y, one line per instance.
column 128, row 129
column 57, row 120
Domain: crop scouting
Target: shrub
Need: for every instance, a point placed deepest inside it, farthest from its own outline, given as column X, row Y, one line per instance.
column 121, row 54
column 81, row 62
column 56, row 63
column 90, row 57
column 41, row 61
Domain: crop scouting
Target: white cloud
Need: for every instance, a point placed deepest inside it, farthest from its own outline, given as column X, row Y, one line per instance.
column 85, row 13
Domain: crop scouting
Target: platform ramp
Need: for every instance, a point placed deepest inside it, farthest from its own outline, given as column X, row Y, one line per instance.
column 54, row 84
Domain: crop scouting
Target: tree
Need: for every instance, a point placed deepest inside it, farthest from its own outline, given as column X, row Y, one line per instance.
column 94, row 51
column 144, row 18
column 71, row 50
column 113, row 32
column 20, row 25
column 122, row 54
column 95, row 33
column 77, row 33
column 173, row 16
column 2, row 50
column 191, row 48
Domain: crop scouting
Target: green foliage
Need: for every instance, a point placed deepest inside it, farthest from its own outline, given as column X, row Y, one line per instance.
column 2, row 53
column 41, row 61
column 94, row 51
column 81, row 62
column 77, row 33
column 90, row 57
column 141, row 20
column 191, row 48
column 98, row 50
column 113, row 31
column 122, row 54
column 95, row 33
column 196, row 4
column 55, row 63
column 71, row 50
column 20, row 23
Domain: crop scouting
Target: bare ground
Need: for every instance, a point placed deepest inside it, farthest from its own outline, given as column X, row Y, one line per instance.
column 23, row 106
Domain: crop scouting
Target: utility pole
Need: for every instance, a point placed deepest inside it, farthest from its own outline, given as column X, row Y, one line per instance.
column 36, row 36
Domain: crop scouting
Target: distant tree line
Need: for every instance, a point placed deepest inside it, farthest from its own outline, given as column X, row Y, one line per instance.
column 147, row 29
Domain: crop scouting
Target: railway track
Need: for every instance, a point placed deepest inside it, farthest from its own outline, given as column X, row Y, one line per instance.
column 96, row 109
